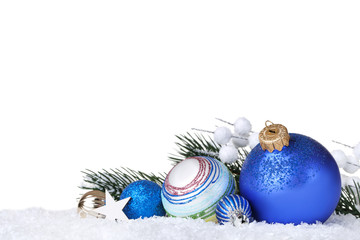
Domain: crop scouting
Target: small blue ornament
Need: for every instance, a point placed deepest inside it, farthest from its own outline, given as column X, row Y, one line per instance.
column 290, row 178
column 145, row 200
column 234, row 209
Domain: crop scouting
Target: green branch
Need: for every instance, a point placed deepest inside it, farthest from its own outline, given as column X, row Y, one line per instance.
column 349, row 202
column 116, row 179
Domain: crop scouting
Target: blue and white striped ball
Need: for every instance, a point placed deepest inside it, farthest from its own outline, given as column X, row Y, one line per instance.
column 195, row 186
column 234, row 209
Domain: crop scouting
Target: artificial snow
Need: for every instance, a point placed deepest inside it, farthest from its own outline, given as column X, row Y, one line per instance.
column 39, row 224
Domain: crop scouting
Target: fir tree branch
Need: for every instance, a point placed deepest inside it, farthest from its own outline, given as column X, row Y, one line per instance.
column 190, row 146
column 349, row 200
column 116, row 179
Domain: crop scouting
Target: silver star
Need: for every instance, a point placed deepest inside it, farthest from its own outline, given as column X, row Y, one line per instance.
column 113, row 210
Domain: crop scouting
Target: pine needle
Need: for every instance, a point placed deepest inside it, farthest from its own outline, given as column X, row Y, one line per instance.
column 116, row 180
column 349, row 200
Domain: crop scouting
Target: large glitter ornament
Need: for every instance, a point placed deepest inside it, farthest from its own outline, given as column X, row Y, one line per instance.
column 290, row 178
column 194, row 187
column 234, row 209
column 145, row 200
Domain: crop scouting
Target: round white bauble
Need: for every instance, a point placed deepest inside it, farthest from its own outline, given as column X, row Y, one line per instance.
column 340, row 158
column 222, row 135
column 352, row 164
column 242, row 126
column 254, row 140
column 228, row 154
column 240, row 140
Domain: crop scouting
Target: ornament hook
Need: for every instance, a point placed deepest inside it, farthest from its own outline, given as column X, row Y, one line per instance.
column 271, row 130
column 267, row 122
column 273, row 136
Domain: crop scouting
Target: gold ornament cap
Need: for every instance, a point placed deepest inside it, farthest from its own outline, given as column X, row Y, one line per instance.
column 274, row 136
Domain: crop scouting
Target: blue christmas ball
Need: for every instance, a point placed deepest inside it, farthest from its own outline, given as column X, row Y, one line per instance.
column 300, row 183
column 145, row 200
column 234, row 209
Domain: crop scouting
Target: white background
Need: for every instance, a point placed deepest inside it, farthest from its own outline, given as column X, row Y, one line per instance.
column 105, row 84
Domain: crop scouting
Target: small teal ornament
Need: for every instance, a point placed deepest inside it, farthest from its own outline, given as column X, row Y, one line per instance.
column 234, row 209
column 145, row 200
column 290, row 178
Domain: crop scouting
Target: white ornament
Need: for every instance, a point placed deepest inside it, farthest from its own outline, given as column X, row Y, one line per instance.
column 340, row 158
column 228, row 154
column 344, row 180
column 254, row 140
column 240, row 141
column 242, row 126
column 113, row 210
column 352, row 164
column 222, row 135
column 357, row 151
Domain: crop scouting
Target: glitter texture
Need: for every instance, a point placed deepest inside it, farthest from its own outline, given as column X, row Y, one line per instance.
column 301, row 183
column 145, row 200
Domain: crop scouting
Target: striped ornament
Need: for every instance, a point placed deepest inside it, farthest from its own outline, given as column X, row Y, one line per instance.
column 234, row 209
column 194, row 187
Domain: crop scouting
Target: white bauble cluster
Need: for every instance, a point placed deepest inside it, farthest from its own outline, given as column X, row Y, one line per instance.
column 350, row 163
column 231, row 141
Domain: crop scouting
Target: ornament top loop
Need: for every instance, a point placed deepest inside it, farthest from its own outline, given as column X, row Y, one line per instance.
column 268, row 121
column 274, row 136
